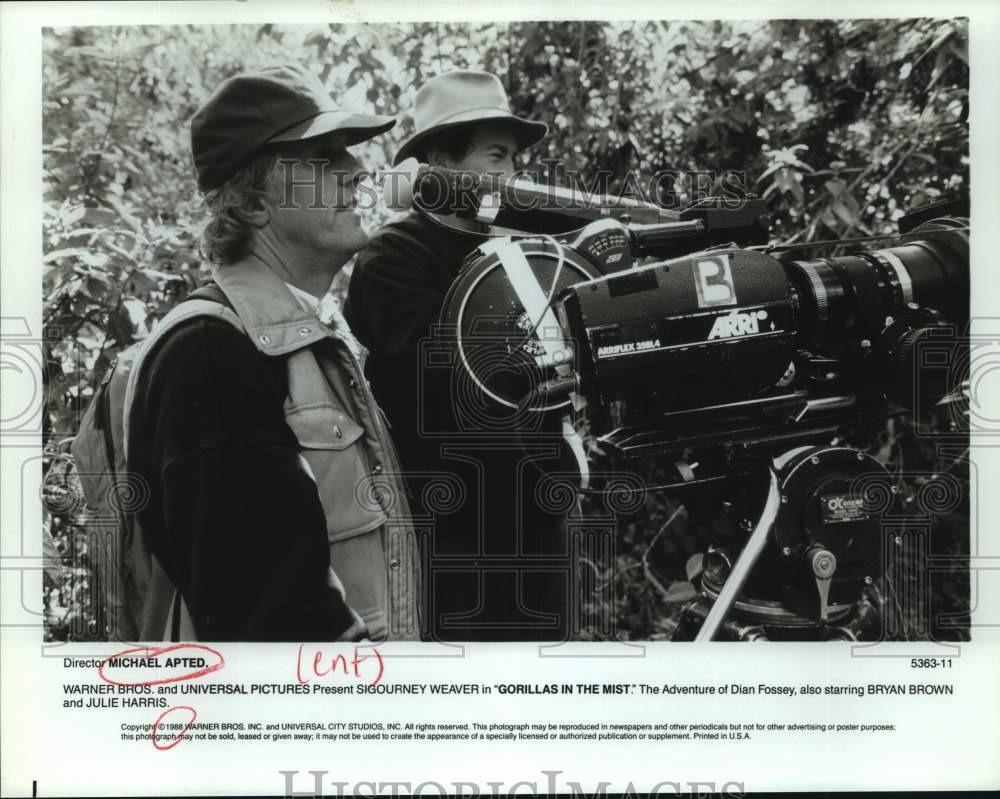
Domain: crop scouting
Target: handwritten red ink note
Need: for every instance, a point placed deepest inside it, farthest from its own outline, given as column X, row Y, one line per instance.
column 321, row 666
column 172, row 742
column 190, row 661
column 164, row 657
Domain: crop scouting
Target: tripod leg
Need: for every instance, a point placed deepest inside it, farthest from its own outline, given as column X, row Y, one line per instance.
column 744, row 563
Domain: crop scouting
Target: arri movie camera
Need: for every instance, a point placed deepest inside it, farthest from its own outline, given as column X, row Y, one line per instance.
column 731, row 372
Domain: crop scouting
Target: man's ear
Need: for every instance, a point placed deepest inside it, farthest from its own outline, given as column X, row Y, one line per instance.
column 254, row 212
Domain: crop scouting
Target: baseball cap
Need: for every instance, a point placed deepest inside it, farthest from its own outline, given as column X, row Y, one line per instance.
column 277, row 104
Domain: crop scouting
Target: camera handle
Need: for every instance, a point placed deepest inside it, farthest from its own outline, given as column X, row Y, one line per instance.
column 744, row 563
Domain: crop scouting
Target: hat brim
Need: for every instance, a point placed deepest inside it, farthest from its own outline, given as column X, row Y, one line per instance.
column 357, row 127
column 526, row 131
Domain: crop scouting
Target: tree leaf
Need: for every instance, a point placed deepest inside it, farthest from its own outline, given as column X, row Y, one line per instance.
column 97, row 285
column 680, row 591
column 141, row 283
column 69, row 252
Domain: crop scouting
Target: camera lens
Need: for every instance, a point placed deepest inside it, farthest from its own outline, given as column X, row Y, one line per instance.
column 846, row 299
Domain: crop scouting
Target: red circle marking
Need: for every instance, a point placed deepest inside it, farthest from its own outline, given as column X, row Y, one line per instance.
column 180, row 735
column 153, row 651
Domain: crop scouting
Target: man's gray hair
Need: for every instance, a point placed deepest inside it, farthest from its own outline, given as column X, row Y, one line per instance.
column 226, row 237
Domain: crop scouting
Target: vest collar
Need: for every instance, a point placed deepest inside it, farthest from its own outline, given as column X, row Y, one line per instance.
column 275, row 320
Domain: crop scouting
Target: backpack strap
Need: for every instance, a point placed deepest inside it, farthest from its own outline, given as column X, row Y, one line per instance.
column 175, row 617
column 165, row 616
column 200, row 304
column 210, row 291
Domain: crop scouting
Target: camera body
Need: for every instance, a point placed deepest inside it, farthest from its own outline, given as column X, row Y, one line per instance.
column 695, row 331
column 724, row 366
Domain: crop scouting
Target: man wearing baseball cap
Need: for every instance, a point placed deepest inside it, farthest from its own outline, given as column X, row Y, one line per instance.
column 274, row 511
column 485, row 569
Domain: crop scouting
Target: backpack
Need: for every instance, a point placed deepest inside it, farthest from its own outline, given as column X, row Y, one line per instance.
column 124, row 568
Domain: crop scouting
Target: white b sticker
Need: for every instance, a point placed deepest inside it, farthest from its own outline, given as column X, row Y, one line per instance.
column 714, row 281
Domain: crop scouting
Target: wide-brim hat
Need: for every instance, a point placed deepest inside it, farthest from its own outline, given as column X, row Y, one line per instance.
column 459, row 98
column 278, row 104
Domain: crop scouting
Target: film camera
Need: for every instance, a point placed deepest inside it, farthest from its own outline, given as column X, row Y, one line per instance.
column 734, row 374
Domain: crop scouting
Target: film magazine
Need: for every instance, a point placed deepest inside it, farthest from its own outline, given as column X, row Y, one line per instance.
column 415, row 399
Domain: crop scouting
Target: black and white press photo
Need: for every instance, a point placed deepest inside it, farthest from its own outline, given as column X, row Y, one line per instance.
column 406, row 399
column 515, row 331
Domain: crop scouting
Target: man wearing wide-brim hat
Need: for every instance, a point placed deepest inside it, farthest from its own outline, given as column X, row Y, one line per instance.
column 449, row 107
column 484, row 545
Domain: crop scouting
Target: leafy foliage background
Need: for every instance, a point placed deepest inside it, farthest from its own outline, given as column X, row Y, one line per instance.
column 841, row 125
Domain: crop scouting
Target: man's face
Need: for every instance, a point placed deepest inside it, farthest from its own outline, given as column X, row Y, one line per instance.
column 313, row 205
column 491, row 149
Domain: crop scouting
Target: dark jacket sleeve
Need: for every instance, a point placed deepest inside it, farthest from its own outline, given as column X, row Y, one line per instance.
column 395, row 293
column 393, row 301
column 235, row 517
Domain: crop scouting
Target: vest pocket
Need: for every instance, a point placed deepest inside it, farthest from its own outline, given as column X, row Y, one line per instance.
column 323, row 426
column 332, row 445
